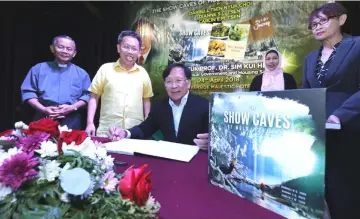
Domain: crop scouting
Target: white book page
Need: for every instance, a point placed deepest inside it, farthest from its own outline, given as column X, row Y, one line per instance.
column 170, row 150
column 164, row 149
column 333, row 126
column 127, row 146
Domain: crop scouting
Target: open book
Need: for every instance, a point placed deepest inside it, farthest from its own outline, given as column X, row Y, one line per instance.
column 164, row 149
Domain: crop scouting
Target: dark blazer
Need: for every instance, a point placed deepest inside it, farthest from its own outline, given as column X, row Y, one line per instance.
column 289, row 81
column 342, row 80
column 194, row 120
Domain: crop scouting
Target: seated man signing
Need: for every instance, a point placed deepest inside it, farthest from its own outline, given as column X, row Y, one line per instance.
column 182, row 118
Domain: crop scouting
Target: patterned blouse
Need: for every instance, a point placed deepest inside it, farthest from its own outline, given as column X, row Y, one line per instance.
column 321, row 68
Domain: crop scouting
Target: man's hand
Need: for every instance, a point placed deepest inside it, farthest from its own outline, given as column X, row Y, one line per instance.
column 65, row 109
column 53, row 112
column 116, row 133
column 333, row 119
column 202, row 141
column 90, row 129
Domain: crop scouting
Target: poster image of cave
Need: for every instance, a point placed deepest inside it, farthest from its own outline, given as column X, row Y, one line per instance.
column 190, row 43
column 222, row 42
column 269, row 148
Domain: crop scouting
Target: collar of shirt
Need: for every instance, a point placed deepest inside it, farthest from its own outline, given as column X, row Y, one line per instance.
column 334, row 49
column 182, row 103
column 118, row 67
column 62, row 66
column 146, row 54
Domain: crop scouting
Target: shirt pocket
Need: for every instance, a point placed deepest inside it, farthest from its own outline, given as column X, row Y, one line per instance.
column 76, row 88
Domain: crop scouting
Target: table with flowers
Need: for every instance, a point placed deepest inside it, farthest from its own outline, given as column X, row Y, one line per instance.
column 49, row 171
column 183, row 190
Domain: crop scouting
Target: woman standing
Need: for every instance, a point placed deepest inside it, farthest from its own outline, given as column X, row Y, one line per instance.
column 336, row 66
column 273, row 78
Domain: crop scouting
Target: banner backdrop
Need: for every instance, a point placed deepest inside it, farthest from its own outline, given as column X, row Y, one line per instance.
column 269, row 148
column 223, row 42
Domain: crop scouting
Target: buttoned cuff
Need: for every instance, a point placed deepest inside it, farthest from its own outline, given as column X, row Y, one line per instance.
column 30, row 95
column 128, row 134
column 85, row 98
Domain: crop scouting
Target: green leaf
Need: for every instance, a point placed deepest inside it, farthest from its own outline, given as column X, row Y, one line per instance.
column 78, row 215
column 30, row 203
column 43, row 211
column 51, row 200
column 75, row 153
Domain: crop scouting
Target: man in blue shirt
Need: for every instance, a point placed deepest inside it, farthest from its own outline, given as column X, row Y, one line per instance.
column 59, row 88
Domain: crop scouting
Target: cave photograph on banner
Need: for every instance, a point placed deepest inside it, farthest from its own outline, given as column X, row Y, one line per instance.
column 269, row 148
column 222, row 42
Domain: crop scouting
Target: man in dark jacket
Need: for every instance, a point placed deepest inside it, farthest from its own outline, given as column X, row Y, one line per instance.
column 182, row 118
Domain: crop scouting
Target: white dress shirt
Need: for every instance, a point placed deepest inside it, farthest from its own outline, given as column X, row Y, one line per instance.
column 177, row 111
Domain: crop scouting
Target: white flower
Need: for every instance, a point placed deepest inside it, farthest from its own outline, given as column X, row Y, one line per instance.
column 3, row 156
column 67, row 147
column 11, row 152
column 49, row 171
column 101, row 153
column 151, row 201
column 64, row 197
column 87, row 148
column 7, row 138
column 64, row 129
column 108, row 162
column 17, row 133
column 152, row 205
column 48, row 149
column 21, row 125
column 4, row 191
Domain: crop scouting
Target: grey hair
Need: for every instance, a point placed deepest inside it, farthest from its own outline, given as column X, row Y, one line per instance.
column 62, row 37
column 131, row 34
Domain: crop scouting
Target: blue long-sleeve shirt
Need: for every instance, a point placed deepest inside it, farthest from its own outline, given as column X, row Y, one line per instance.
column 53, row 85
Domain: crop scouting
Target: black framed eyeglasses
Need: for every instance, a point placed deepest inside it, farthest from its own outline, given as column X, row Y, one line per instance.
column 322, row 21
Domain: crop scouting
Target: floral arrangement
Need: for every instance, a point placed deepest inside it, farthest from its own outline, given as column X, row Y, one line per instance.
column 49, row 171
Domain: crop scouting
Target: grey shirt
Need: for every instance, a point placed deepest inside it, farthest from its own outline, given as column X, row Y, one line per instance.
column 53, row 85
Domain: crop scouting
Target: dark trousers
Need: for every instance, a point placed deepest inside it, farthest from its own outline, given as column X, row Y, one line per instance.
column 342, row 169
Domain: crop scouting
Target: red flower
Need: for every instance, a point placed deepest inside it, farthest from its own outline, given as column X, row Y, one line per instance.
column 6, row 133
column 76, row 136
column 135, row 185
column 44, row 125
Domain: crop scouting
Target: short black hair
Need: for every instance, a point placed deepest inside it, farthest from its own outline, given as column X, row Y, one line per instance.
column 129, row 33
column 62, row 37
column 168, row 69
column 272, row 51
column 331, row 10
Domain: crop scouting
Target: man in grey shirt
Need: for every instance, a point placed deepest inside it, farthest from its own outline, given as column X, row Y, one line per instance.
column 59, row 88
